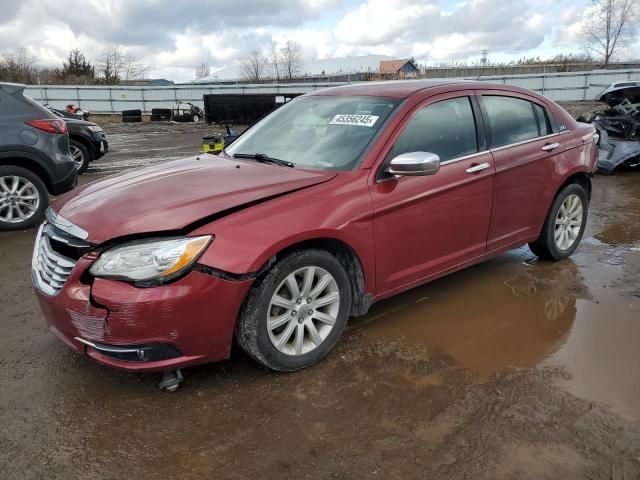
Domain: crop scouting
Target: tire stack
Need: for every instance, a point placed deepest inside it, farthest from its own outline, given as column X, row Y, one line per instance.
column 182, row 118
column 160, row 114
column 130, row 116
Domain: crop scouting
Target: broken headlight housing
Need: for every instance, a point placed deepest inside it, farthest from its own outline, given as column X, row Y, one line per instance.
column 150, row 262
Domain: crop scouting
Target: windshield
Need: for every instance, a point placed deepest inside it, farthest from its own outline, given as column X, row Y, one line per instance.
column 318, row 132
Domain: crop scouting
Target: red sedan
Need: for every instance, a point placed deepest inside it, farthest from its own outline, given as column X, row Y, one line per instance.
column 336, row 200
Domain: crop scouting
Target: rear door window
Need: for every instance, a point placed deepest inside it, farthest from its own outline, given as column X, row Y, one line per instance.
column 512, row 120
column 446, row 128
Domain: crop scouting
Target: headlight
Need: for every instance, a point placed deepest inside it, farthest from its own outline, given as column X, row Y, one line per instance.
column 156, row 260
column 94, row 128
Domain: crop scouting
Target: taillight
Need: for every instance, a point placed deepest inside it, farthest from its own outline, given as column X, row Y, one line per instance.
column 53, row 125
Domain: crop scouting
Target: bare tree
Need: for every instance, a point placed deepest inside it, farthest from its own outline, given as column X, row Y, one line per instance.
column 611, row 27
column 254, row 66
column 110, row 65
column 291, row 58
column 275, row 58
column 118, row 64
column 18, row 67
column 132, row 68
column 202, row 71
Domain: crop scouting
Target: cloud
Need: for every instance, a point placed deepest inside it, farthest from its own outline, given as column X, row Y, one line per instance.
column 427, row 30
column 173, row 37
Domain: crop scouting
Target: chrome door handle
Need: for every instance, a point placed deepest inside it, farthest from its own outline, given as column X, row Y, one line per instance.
column 550, row 146
column 478, row 168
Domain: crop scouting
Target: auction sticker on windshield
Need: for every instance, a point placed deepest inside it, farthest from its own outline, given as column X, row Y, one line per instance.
column 361, row 120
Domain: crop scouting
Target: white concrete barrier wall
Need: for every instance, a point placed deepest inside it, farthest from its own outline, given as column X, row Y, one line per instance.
column 573, row 86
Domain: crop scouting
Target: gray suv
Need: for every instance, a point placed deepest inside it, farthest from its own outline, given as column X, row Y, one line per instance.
column 34, row 159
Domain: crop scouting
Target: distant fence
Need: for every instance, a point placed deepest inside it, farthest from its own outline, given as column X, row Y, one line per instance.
column 572, row 86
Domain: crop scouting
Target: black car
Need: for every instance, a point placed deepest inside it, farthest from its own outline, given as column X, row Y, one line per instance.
column 34, row 158
column 78, row 114
column 87, row 140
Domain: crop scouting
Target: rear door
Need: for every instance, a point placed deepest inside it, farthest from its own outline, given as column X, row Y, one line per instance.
column 426, row 225
column 525, row 150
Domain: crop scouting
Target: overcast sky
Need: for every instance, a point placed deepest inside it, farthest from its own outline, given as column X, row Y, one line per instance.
column 173, row 36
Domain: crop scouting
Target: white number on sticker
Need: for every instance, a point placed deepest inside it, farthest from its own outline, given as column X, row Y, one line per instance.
column 361, row 120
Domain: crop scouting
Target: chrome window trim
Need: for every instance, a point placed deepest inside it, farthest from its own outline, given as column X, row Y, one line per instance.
column 65, row 225
column 496, row 149
column 466, row 157
column 490, row 150
column 446, row 162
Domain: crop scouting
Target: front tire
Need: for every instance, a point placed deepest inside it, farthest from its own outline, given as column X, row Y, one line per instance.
column 294, row 315
column 23, row 198
column 564, row 225
column 80, row 155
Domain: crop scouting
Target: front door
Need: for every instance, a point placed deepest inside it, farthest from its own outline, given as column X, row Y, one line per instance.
column 426, row 225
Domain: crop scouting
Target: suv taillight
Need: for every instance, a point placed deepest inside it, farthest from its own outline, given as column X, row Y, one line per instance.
column 53, row 125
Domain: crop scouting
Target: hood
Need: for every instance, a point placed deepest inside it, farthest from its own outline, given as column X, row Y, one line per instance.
column 174, row 195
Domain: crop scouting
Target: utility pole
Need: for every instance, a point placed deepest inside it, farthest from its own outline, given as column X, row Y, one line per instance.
column 483, row 60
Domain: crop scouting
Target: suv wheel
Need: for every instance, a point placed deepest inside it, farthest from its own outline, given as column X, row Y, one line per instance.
column 564, row 225
column 23, row 198
column 80, row 155
column 294, row 315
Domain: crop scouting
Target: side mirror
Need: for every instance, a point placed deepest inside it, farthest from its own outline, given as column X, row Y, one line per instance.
column 414, row 164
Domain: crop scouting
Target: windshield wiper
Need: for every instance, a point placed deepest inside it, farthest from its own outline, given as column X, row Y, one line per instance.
column 261, row 157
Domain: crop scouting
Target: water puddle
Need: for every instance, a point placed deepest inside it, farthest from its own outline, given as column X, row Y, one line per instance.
column 488, row 318
column 511, row 312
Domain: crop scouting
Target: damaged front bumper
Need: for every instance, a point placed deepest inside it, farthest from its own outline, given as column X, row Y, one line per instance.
column 183, row 323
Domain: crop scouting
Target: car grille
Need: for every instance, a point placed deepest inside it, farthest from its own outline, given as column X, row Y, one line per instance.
column 54, row 256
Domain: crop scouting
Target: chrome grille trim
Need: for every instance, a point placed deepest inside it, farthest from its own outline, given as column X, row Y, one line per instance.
column 65, row 225
column 49, row 269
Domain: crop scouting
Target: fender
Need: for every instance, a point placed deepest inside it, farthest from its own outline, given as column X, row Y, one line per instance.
column 30, row 158
column 339, row 209
column 85, row 140
column 27, row 152
column 578, row 169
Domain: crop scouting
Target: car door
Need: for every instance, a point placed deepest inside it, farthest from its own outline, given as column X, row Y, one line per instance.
column 525, row 150
column 426, row 225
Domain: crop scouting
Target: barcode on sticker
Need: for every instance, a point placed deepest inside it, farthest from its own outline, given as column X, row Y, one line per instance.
column 362, row 120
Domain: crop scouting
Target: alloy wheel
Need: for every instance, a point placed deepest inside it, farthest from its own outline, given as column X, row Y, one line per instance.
column 303, row 311
column 568, row 222
column 19, row 199
column 77, row 155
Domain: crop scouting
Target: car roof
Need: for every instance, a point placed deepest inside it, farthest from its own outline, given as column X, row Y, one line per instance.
column 405, row 88
column 11, row 88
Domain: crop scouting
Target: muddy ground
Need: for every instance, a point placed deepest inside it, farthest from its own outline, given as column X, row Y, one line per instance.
column 513, row 369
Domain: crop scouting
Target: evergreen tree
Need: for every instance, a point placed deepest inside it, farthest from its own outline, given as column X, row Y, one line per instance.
column 77, row 69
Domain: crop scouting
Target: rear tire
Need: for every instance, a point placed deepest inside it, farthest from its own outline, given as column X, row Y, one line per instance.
column 317, row 314
column 564, row 226
column 30, row 192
